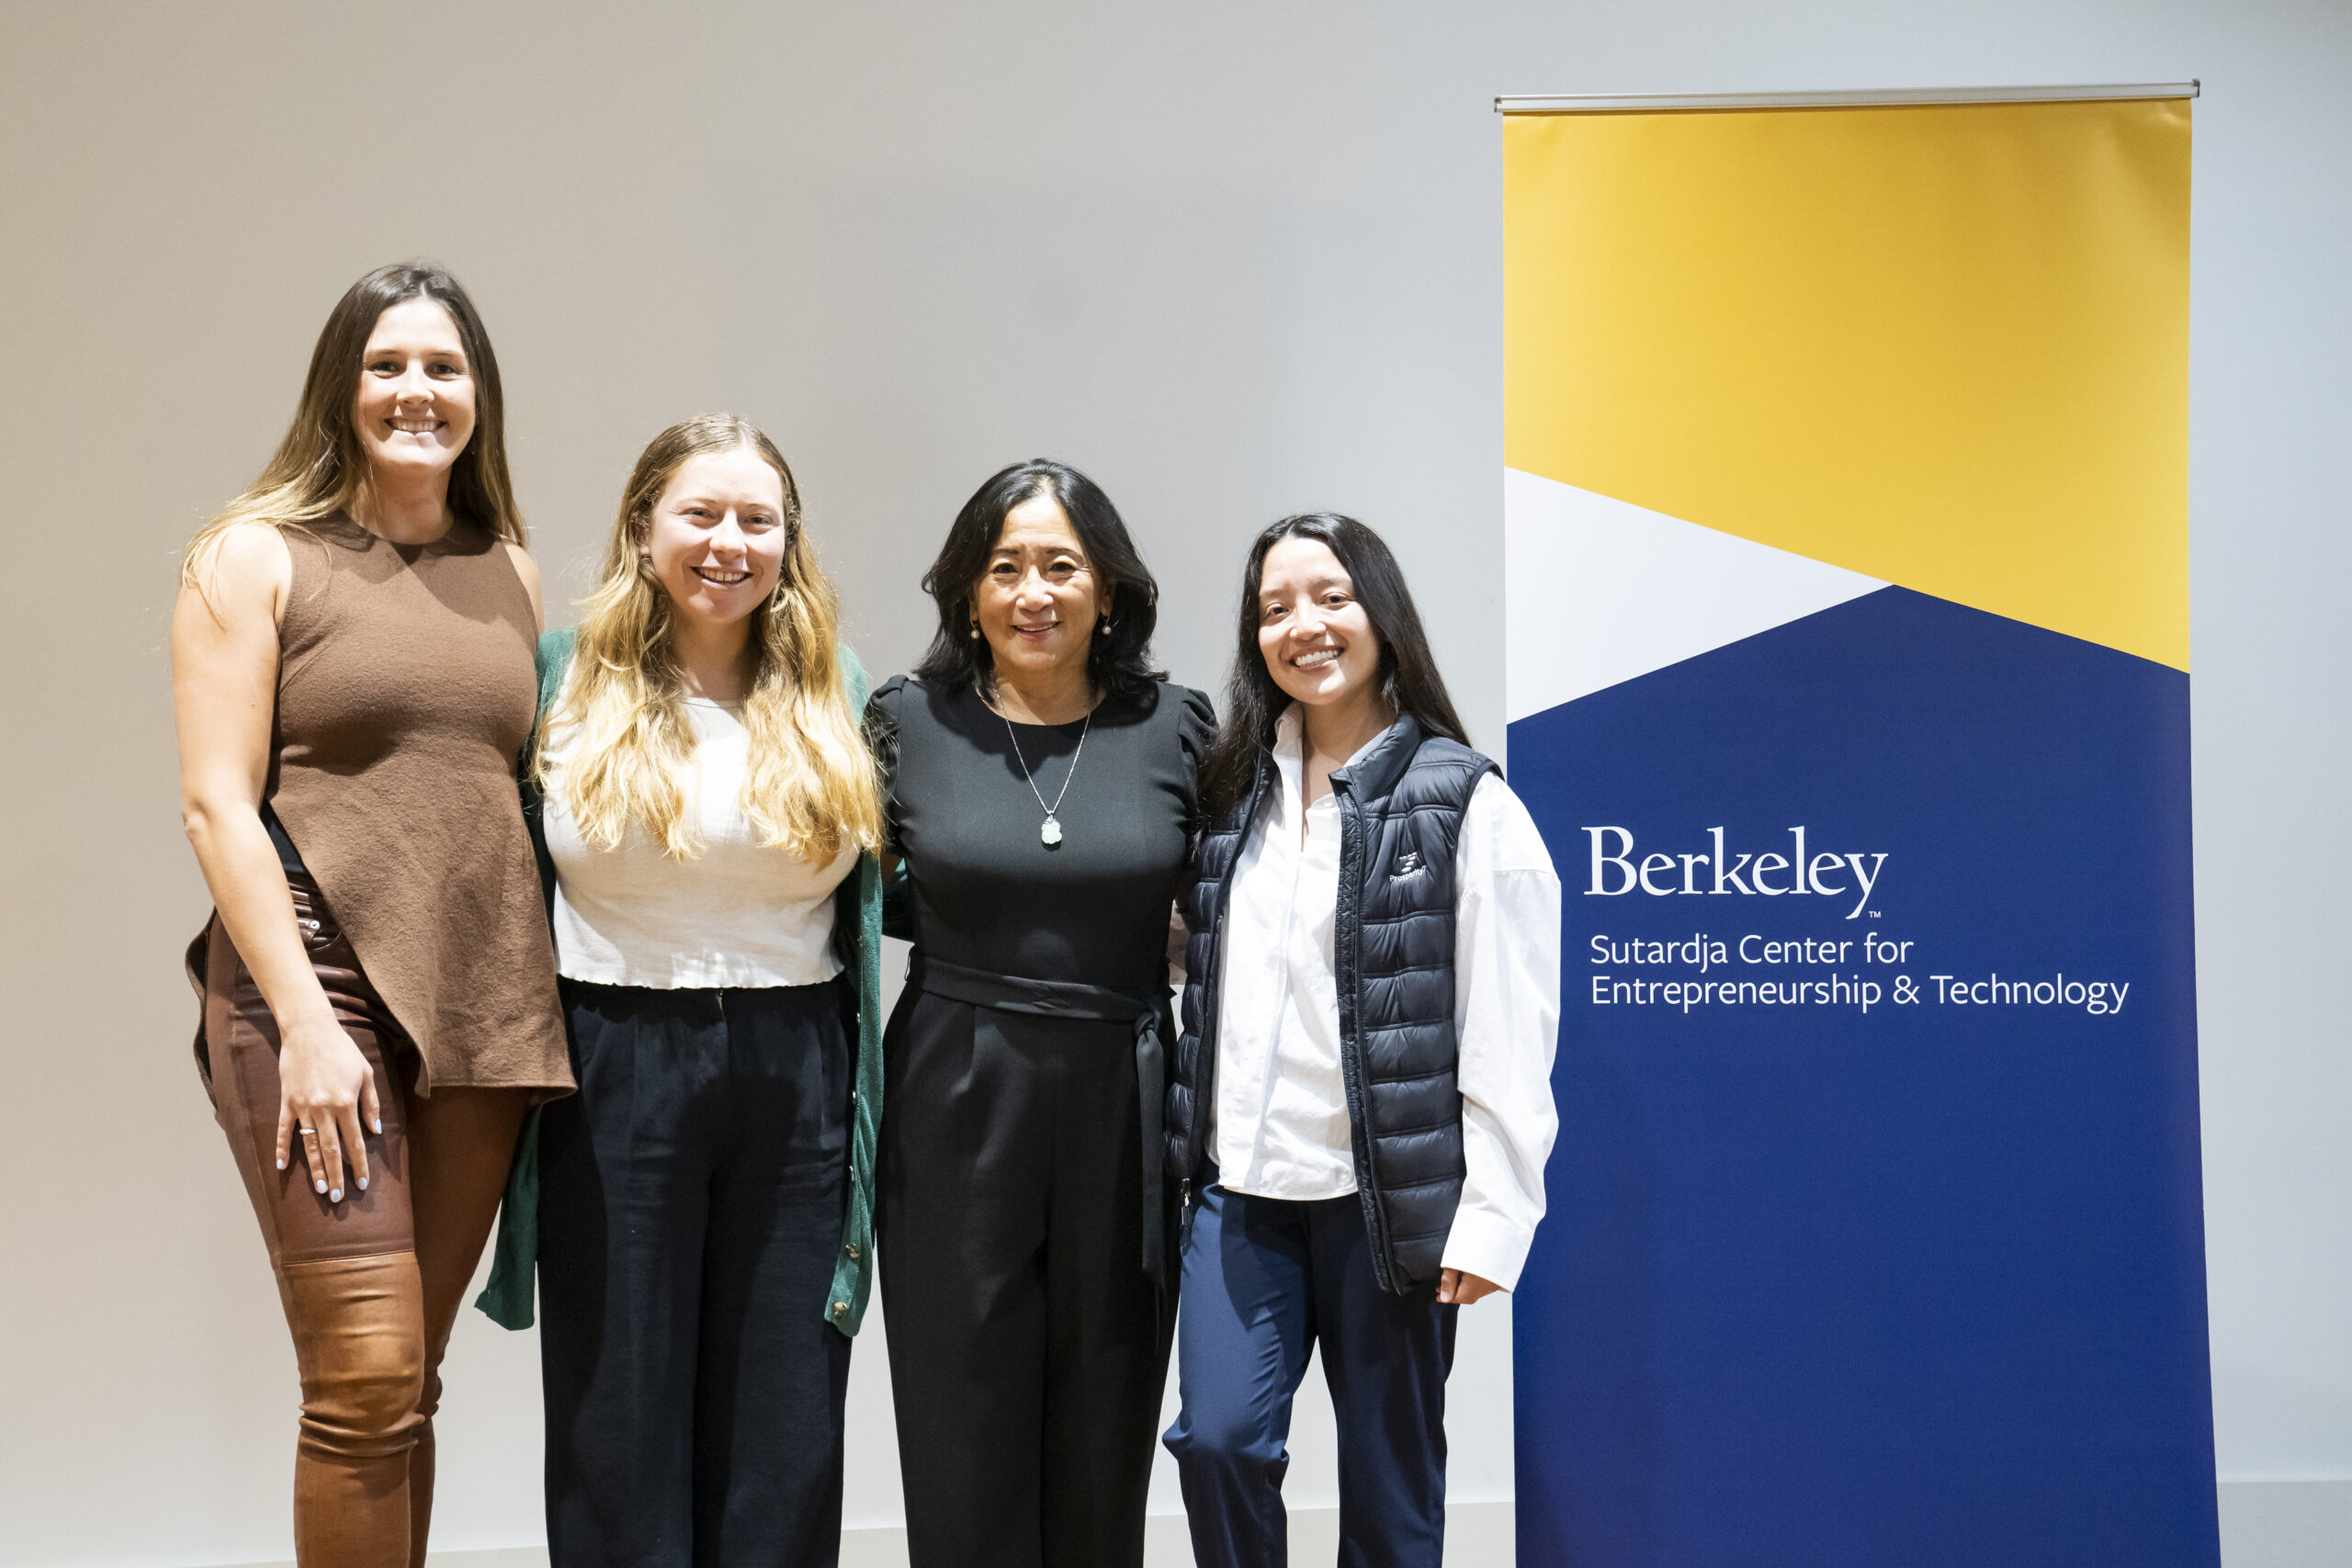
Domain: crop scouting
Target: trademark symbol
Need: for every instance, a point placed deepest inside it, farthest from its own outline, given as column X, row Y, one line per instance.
column 1873, row 914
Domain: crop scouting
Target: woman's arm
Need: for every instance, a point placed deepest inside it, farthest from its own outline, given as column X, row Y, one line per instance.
column 1507, row 1013
column 224, row 695
column 1180, row 936
column 880, row 722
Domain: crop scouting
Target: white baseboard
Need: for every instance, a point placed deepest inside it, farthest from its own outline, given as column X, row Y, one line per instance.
column 1477, row 1535
column 2265, row 1524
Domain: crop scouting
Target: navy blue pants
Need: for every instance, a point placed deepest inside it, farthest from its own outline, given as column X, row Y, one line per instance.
column 690, row 1199
column 1266, row 1281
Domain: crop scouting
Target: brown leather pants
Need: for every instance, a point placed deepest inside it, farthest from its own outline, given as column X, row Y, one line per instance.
column 372, row 1285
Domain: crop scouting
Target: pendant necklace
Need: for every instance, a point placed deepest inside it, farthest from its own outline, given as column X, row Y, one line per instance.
column 1050, row 833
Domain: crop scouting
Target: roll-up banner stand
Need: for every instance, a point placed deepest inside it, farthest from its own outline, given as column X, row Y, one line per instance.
column 1847, row 516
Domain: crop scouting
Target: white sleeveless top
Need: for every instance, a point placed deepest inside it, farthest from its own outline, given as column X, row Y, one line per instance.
column 741, row 913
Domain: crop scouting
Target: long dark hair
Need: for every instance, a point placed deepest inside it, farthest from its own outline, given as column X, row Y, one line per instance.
column 1118, row 662
column 1410, row 682
column 319, row 466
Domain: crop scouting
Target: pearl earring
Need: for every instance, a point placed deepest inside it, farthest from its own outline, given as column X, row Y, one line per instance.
column 975, row 632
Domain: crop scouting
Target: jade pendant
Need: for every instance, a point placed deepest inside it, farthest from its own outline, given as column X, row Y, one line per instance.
column 1050, row 835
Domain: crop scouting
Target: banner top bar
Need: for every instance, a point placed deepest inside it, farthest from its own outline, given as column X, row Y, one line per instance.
column 1620, row 103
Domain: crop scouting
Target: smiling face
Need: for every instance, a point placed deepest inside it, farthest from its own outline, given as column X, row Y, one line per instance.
column 1038, row 600
column 716, row 537
column 414, row 408
column 1315, row 639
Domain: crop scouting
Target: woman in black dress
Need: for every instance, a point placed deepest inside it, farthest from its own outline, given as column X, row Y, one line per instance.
column 1040, row 780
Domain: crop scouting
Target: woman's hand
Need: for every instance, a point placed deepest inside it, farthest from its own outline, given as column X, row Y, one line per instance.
column 224, row 692
column 324, row 1090
column 1459, row 1287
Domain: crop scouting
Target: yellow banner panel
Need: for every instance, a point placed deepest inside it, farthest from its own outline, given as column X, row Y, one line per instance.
column 1941, row 345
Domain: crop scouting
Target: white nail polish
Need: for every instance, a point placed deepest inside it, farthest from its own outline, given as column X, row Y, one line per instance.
column 321, row 1185
column 362, row 1184
column 336, row 1196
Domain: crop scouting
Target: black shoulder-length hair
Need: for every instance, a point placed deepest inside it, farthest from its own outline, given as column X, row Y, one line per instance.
column 1410, row 682
column 1119, row 660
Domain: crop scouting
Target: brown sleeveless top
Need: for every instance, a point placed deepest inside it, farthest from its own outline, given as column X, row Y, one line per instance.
column 406, row 690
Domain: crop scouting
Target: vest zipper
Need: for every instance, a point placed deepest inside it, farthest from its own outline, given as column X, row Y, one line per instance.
column 1347, row 952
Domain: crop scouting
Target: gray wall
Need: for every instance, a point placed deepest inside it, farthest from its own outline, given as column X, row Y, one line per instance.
column 1233, row 259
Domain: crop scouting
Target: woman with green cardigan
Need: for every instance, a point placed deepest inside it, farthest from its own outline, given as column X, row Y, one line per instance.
column 701, row 1214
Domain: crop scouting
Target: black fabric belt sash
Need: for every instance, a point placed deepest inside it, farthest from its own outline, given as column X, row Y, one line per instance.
column 1068, row 998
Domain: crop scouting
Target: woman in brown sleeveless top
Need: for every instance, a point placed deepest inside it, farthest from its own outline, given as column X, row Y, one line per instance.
column 352, row 672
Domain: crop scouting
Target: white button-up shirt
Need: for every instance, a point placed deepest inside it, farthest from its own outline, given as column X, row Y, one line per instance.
column 1280, row 1115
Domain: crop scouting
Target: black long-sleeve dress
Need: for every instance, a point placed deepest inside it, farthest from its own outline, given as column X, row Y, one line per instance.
column 1028, row 1341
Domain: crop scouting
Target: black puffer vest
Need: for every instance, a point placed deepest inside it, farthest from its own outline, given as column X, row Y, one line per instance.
column 1401, row 804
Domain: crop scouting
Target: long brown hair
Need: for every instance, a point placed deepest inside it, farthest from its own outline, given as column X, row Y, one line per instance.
column 320, row 466
column 810, row 785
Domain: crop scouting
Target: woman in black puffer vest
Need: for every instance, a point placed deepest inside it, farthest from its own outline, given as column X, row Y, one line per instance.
column 1360, row 1104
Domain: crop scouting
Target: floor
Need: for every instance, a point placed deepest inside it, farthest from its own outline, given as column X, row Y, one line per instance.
column 2287, row 1524
column 2265, row 1524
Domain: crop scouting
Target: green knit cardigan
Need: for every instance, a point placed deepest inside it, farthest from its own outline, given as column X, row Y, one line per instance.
column 858, row 907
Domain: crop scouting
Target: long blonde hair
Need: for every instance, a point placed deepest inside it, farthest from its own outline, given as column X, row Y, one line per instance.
column 320, row 466
column 810, row 786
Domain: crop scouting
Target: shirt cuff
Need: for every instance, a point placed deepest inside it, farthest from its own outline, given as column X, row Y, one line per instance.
column 1488, row 1245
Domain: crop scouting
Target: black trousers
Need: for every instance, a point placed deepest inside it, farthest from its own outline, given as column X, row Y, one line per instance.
column 691, row 1204
column 1028, row 1352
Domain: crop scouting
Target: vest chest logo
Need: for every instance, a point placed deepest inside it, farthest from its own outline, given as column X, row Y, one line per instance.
column 1408, row 865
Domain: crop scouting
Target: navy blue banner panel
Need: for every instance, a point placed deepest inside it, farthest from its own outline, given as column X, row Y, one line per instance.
column 1875, row 1233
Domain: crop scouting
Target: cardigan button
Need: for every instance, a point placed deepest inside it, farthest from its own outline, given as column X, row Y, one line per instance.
column 851, row 1249
column 841, row 1309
